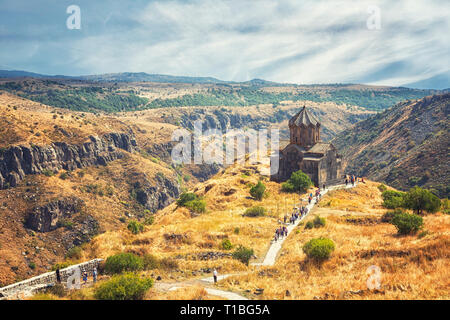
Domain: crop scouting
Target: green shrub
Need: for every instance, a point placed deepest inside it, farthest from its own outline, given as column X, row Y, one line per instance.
column 149, row 220
column 258, row 190
column 192, row 202
column 74, row 253
column 388, row 216
column 287, row 187
column 123, row 262
column 32, row 265
column 226, row 244
column 382, row 187
column 420, row 200
column 135, row 227
column 243, row 254
column 48, row 173
column 309, row 225
column 150, row 262
column 319, row 249
column 198, row 206
column 236, row 230
column 128, row 286
column 319, row 222
column 255, row 212
column 298, row 182
column 186, row 197
column 393, row 199
column 407, row 223
column 445, row 206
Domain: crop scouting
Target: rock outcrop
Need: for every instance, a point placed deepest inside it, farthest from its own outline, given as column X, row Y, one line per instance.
column 158, row 196
column 18, row 161
column 48, row 217
column 67, row 214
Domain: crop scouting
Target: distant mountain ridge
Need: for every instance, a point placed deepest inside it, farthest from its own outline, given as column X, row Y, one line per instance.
column 438, row 82
column 130, row 77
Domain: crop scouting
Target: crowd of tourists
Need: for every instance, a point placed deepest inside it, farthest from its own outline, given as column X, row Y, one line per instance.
column 298, row 213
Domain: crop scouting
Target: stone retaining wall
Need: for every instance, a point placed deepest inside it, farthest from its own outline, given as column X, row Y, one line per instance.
column 28, row 286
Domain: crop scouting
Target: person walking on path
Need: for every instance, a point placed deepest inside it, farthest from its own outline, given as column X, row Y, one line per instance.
column 215, row 275
column 85, row 277
column 94, row 275
column 58, row 276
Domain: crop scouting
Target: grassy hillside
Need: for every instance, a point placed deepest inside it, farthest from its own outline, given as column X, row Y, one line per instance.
column 404, row 146
column 413, row 267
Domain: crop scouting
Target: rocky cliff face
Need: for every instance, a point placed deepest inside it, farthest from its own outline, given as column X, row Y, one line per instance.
column 48, row 217
column 18, row 161
column 65, row 213
column 158, row 196
column 224, row 119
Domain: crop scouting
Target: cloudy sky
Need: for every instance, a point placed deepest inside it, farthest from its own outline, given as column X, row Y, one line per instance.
column 285, row 41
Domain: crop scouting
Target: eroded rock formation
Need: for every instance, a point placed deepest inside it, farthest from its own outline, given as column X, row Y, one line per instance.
column 18, row 161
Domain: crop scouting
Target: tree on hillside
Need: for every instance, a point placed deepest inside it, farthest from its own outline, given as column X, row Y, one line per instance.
column 420, row 200
column 258, row 190
column 298, row 182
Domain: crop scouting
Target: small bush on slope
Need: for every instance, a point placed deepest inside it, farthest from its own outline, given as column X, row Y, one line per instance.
column 407, row 223
column 298, row 182
column 393, row 199
column 319, row 222
column 123, row 262
column 135, row 227
column 258, row 190
column 128, row 286
column 243, row 254
column 255, row 212
column 226, row 244
column 420, row 200
column 319, row 249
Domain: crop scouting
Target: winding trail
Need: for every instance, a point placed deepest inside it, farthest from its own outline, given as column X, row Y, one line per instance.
column 275, row 247
column 269, row 259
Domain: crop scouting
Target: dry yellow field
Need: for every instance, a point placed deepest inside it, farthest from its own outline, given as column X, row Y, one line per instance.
column 412, row 267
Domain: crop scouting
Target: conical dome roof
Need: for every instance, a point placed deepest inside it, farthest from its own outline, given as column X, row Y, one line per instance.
column 303, row 117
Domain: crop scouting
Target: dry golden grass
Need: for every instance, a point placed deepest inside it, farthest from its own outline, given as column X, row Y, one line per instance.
column 195, row 292
column 227, row 197
column 412, row 267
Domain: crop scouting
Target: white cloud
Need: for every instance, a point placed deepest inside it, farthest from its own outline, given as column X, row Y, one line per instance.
column 287, row 41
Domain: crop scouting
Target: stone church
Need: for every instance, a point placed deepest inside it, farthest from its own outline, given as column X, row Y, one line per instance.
column 306, row 152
